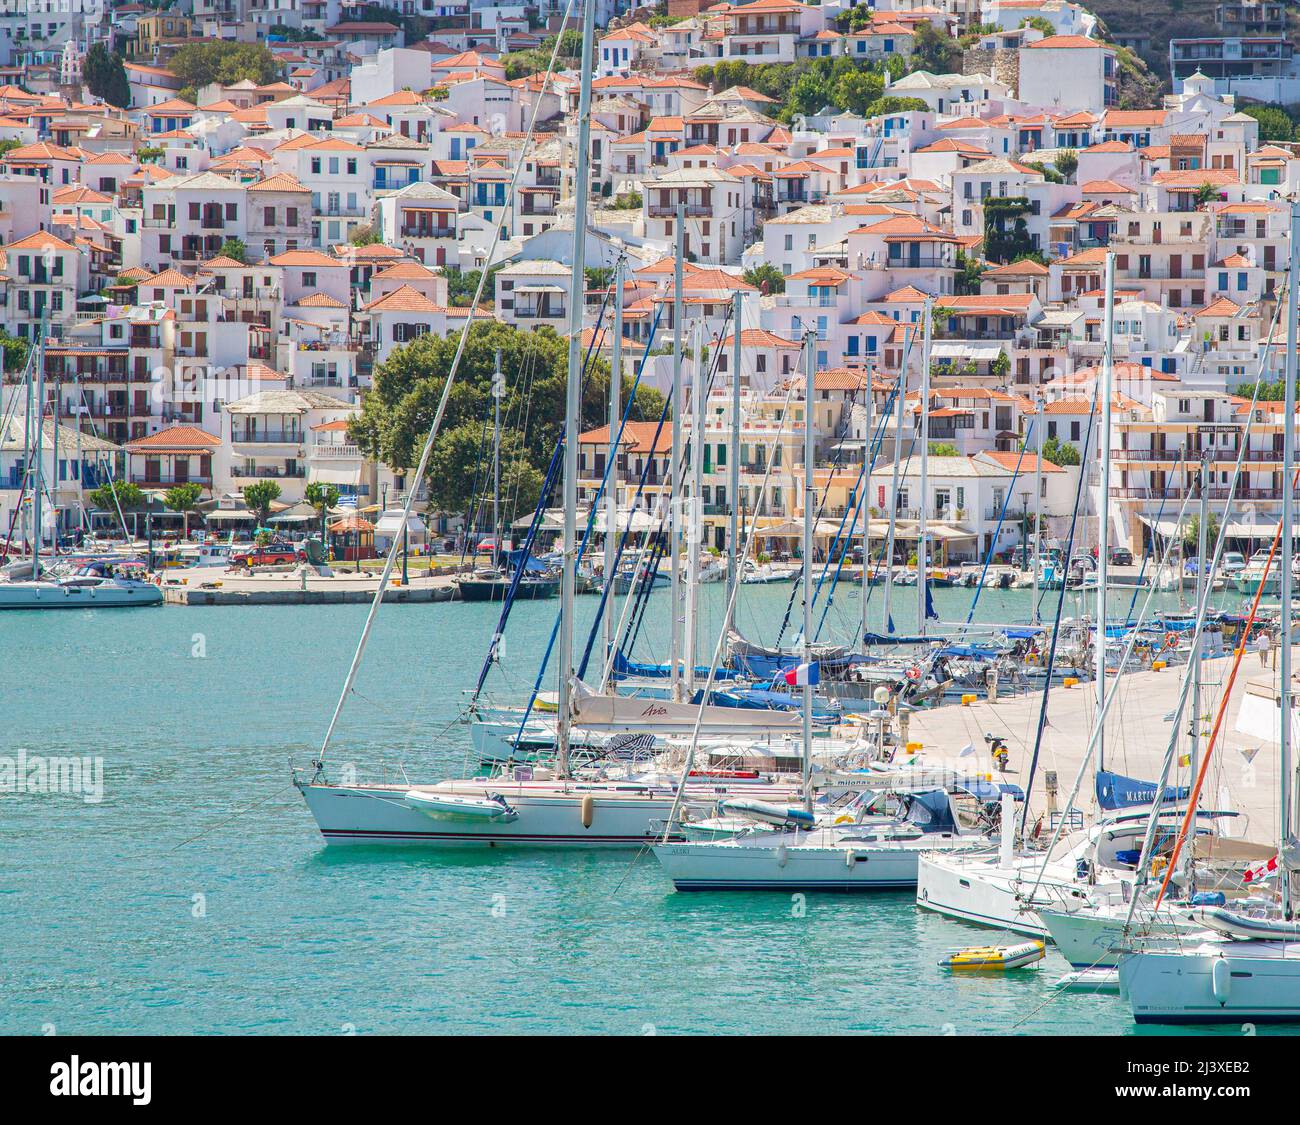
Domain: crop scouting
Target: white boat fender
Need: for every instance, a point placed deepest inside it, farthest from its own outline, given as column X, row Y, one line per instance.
column 1221, row 980
column 588, row 811
column 781, row 856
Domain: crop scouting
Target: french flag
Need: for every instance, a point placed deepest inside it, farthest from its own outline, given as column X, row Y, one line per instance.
column 803, row 674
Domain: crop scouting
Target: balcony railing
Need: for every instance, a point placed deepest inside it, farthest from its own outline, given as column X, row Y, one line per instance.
column 337, row 451
column 280, row 437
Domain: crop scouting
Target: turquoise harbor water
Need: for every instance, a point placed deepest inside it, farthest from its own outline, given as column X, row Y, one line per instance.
column 197, row 896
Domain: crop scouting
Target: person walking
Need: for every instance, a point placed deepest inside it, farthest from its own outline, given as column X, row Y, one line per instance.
column 1263, row 645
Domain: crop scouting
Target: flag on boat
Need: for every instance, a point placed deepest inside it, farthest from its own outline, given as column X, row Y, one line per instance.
column 803, row 674
column 1260, row 871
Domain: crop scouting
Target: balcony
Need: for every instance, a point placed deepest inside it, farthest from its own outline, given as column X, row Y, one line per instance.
column 268, row 472
column 693, row 210
column 544, row 313
column 428, row 232
column 268, row 437
column 337, row 451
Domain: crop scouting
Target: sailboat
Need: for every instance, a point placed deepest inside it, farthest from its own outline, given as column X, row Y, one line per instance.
column 1249, row 971
column 610, row 805
column 792, row 850
column 95, row 583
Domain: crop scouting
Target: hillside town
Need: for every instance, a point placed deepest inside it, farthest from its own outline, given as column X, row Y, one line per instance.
column 224, row 223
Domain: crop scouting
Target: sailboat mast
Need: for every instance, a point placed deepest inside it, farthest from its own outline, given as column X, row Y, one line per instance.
column 498, row 390
column 611, row 467
column 733, row 453
column 1040, row 424
column 900, row 406
column 809, row 506
column 573, row 398
column 674, row 462
column 695, row 512
column 38, row 490
column 1202, row 579
column 1103, row 500
column 863, row 507
column 1285, row 779
column 922, row 563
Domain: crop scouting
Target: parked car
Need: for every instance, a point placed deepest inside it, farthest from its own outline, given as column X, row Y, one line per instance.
column 1233, row 562
column 270, row 554
column 1121, row 556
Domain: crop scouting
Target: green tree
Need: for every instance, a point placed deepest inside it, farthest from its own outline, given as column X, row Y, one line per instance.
column 460, row 479
column 183, row 498
column 259, row 497
column 933, row 51
column 1275, row 123
column 322, row 497
column 765, row 277
column 1067, row 163
column 105, row 76
column 365, row 235
column 200, row 64
column 1039, row 23
column 1206, row 193
column 1192, row 533
column 234, row 248
column 117, row 494
column 1059, row 452
column 893, row 104
column 397, row 412
column 15, row 351
column 855, row 91
column 943, row 449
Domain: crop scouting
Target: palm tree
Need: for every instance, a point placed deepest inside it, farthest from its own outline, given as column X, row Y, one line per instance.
column 322, row 497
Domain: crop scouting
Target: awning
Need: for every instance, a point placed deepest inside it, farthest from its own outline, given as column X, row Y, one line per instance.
column 219, row 515
column 1263, row 530
column 330, row 474
column 389, row 525
column 540, row 289
column 942, row 349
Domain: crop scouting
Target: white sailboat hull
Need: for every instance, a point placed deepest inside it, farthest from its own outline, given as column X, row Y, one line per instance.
column 1093, row 939
column 60, row 595
column 1219, row 982
column 750, row 866
column 548, row 814
column 981, row 893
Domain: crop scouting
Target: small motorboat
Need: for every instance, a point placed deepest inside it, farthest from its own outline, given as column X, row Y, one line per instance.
column 994, row 957
column 1090, row 980
column 491, row 807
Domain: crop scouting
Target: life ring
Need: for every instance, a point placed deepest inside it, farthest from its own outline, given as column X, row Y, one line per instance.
column 1171, row 640
column 914, row 673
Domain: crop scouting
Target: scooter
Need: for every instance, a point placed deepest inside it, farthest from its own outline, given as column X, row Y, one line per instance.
column 998, row 748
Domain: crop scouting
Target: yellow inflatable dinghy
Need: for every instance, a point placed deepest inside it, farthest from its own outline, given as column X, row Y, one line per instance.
column 994, row 957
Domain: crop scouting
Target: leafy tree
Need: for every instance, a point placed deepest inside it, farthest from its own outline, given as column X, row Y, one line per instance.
column 234, row 248
column 1067, row 163
column 105, row 76
column 1192, row 533
column 968, row 279
column 396, row 414
column 322, row 497
column 932, row 50
column 15, row 351
column 628, row 201
column 259, row 497
column 200, row 64
column 766, row 277
column 463, row 284
column 890, row 103
column 856, row 91
column 1060, row 452
column 127, row 496
column 1275, row 123
column 1268, row 392
column 365, row 235
column 183, row 498
column 1039, row 23
column 943, row 449
column 149, row 154
column 1206, row 193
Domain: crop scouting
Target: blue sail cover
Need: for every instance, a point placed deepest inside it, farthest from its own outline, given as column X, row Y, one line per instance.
column 1115, row 791
column 930, row 611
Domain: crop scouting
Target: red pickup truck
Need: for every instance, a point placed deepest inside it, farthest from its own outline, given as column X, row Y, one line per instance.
column 272, row 554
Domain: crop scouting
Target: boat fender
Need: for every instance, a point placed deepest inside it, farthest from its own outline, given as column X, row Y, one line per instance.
column 1221, row 980
column 848, row 859
column 588, row 811
column 781, row 856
